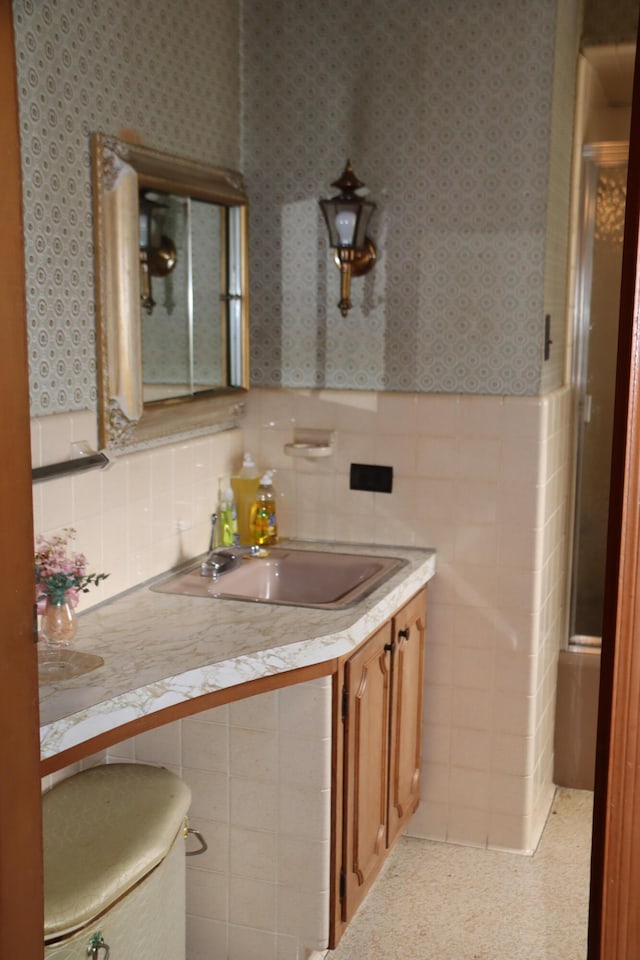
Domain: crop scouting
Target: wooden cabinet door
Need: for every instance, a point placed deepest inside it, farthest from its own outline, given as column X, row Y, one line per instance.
column 406, row 714
column 367, row 696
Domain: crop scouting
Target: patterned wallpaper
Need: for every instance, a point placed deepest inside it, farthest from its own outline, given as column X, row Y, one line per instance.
column 170, row 71
column 556, row 293
column 445, row 111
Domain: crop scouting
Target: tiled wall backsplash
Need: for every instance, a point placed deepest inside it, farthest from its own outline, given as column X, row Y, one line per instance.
column 481, row 479
column 259, row 771
column 144, row 513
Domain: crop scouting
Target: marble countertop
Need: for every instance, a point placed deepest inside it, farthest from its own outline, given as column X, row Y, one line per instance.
column 162, row 649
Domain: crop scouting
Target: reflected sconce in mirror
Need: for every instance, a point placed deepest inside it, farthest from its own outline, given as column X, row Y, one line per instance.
column 347, row 216
column 157, row 251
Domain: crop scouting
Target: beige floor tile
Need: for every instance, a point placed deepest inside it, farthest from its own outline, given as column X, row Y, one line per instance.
column 438, row 901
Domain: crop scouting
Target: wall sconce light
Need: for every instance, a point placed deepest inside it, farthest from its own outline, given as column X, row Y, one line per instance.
column 158, row 254
column 347, row 216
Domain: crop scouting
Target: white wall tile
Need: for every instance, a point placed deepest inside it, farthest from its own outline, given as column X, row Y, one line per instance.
column 257, row 713
column 304, row 761
column 467, row 825
column 246, row 943
column 286, row 948
column 205, row 746
column 57, row 503
column 511, row 832
column 207, row 895
column 302, row 913
column 252, row 903
column 307, row 860
column 481, row 418
column 209, row 793
column 511, row 754
column 253, row 854
column 438, row 458
column 431, row 820
column 138, row 468
column 471, row 749
column 437, row 416
column 510, row 794
column 439, row 663
column 470, row 787
column 305, row 709
column 161, row 745
column 206, row 938
column 435, row 780
column 253, row 754
column 436, row 744
column 472, row 709
column 254, row 803
column 438, row 704
column 303, row 812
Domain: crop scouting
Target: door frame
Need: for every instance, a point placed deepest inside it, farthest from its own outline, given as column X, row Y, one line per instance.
column 614, row 917
column 21, row 910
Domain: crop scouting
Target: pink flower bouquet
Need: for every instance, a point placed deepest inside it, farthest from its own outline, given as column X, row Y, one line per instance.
column 60, row 578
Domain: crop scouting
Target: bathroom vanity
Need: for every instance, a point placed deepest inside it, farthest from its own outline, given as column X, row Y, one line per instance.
column 169, row 657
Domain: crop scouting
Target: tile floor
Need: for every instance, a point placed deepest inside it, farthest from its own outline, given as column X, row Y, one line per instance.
column 437, row 901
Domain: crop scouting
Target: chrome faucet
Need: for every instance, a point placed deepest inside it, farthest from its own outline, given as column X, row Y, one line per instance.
column 221, row 559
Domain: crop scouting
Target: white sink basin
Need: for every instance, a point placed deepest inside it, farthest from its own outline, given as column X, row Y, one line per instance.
column 301, row 578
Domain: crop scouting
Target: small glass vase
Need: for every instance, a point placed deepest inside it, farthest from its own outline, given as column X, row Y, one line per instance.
column 58, row 625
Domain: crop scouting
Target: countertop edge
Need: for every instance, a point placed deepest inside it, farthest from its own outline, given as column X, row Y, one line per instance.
column 153, row 697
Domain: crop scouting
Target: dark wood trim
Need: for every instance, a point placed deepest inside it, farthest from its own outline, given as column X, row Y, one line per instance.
column 614, row 922
column 336, row 924
column 21, row 910
column 178, row 711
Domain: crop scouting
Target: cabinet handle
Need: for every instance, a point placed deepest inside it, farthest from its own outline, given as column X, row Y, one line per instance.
column 404, row 633
column 390, row 647
column 97, row 943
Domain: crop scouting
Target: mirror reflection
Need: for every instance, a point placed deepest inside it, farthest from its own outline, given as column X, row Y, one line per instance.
column 172, row 285
column 184, row 297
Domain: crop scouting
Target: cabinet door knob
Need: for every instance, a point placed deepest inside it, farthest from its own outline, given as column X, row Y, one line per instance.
column 390, row 647
column 404, row 633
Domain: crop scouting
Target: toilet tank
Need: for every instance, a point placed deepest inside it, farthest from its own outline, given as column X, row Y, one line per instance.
column 114, row 864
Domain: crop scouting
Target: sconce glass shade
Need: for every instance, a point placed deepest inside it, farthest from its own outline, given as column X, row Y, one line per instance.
column 347, row 215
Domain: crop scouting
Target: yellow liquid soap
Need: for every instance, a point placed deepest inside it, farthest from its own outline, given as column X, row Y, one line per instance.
column 245, row 488
column 262, row 517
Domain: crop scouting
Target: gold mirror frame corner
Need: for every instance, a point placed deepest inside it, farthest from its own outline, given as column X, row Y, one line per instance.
column 125, row 422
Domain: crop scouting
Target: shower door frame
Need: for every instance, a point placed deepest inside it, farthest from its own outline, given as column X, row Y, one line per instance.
column 595, row 157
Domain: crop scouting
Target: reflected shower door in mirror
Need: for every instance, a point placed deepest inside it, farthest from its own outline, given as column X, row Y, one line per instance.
column 172, row 294
column 184, row 299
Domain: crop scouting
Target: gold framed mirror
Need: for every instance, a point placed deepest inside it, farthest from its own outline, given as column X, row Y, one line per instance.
column 172, row 294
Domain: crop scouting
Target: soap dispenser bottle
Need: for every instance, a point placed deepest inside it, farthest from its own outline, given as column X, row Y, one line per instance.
column 227, row 516
column 262, row 518
column 245, row 487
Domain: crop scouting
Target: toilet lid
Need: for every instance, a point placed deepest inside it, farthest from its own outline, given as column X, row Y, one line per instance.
column 104, row 829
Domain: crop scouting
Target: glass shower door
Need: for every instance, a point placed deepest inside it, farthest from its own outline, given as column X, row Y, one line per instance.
column 596, row 336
